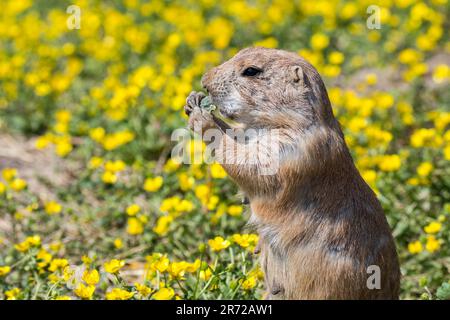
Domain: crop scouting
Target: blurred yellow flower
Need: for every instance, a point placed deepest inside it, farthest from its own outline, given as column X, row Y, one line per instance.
column 217, row 171
column 432, row 244
column 115, row 166
column 95, row 162
column 415, row 247
column 119, row 294
column 91, row 277
column 153, row 184
column 52, row 207
column 118, row 244
column 433, row 227
column 235, row 210
column 83, row 291
column 249, row 283
column 162, row 225
column 441, row 73
column 2, row 188
column 164, row 294
column 218, row 243
column 58, row 264
column 109, row 177
column 4, row 270
column 113, row 266
column 134, row 226
column 12, row 294
column 424, row 169
column 319, row 41
column 18, row 184
column 133, row 209
column 143, row 289
column 9, row 173
column 390, row 163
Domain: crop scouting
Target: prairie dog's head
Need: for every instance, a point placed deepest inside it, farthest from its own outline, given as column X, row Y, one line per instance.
column 268, row 88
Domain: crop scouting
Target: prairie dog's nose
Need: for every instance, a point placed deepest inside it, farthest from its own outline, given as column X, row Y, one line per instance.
column 208, row 79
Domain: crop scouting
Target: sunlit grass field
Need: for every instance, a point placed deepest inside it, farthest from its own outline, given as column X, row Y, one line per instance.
column 92, row 206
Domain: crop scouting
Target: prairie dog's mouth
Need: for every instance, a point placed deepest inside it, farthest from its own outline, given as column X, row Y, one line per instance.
column 220, row 114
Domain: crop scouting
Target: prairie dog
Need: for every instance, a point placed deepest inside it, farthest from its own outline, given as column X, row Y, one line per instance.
column 322, row 230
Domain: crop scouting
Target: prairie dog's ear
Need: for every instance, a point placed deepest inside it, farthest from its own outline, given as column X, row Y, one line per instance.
column 296, row 73
column 299, row 76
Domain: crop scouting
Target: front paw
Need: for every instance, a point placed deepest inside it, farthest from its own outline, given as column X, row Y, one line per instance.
column 193, row 101
column 200, row 120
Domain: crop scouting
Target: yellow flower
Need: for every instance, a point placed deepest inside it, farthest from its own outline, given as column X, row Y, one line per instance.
column 432, row 244
column 109, row 178
column 235, row 210
column 18, row 184
column 133, row 209
column 97, row 134
column 162, row 225
column 177, row 269
column 245, row 240
column 32, row 241
column 161, row 263
column 218, row 243
column 205, row 275
column 12, row 294
column 164, row 294
column 186, row 182
column 44, row 258
column 118, row 244
column 115, row 166
column 217, row 171
column 113, row 266
column 424, row 169
column 153, row 184
column 58, row 264
column 193, row 267
column 390, row 163
column 336, row 57
column 9, row 173
column 441, row 73
column 119, row 294
column 52, row 207
column 425, row 138
column 95, row 162
column 83, row 291
column 171, row 165
column 202, row 192
column 4, row 270
column 68, row 273
column 446, row 153
column 319, row 41
column 63, row 148
column 63, row 298
column 135, row 226
column 91, row 277
column 184, row 206
column 249, row 283
column 143, row 289
column 415, row 247
column 2, row 188
column 433, row 227
column 42, row 142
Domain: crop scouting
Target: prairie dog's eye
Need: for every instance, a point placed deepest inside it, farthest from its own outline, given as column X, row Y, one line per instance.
column 251, row 72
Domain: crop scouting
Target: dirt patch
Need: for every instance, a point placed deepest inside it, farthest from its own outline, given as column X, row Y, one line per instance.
column 42, row 169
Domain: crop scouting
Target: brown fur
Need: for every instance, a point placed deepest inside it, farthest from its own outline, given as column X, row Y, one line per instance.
column 320, row 224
